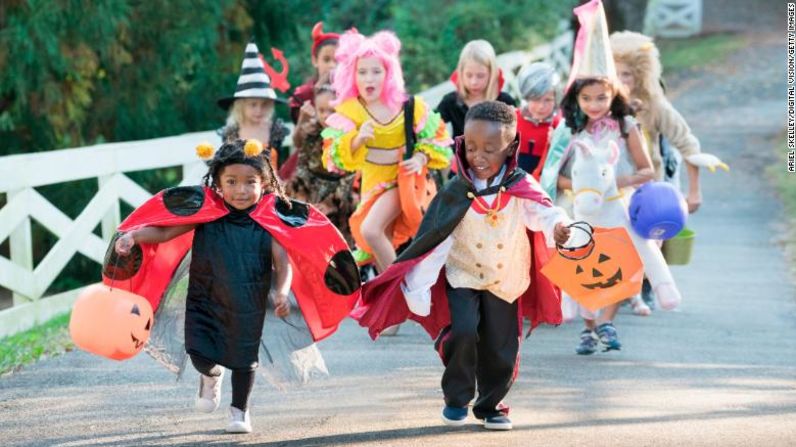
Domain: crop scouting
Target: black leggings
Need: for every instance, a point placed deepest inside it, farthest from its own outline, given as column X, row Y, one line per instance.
column 242, row 380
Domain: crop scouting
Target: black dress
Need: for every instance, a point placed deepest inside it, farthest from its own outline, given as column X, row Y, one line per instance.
column 230, row 277
column 453, row 109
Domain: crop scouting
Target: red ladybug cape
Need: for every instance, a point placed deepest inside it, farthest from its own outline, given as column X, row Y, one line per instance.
column 383, row 304
column 326, row 280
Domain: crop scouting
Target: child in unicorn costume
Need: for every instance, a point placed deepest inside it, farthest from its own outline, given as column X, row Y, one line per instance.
column 598, row 158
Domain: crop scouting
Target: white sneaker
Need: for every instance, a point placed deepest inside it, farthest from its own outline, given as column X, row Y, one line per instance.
column 239, row 421
column 209, row 395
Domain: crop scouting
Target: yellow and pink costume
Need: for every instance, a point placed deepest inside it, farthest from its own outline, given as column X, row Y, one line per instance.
column 379, row 159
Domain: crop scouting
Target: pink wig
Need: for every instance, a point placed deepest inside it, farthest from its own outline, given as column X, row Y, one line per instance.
column 384, row 46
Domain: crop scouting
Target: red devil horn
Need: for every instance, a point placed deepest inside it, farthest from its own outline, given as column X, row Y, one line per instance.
column 278, row 79
column 317, row 31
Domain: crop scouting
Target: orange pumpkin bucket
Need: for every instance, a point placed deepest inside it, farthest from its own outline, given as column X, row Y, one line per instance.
column 604, row 271
column 112, row 323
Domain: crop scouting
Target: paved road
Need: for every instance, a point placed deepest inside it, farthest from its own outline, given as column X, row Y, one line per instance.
column 721, row 371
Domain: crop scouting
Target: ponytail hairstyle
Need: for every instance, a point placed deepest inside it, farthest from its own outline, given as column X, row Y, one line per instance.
column 245, row 152
column 385, row 47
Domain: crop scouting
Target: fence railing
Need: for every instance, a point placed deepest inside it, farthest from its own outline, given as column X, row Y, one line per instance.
column 108, row 165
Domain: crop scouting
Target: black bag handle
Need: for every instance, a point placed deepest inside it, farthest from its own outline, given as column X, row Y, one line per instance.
column 409, row 127
column 586, row 228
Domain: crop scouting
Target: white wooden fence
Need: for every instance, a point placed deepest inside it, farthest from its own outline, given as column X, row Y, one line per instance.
column 20, row 174
column 673, row 18
column 108, row 163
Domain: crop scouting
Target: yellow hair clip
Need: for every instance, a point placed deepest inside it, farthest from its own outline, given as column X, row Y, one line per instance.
column 253, row 147
column 204, row 150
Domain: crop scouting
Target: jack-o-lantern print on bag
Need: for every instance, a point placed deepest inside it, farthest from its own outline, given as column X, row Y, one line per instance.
column 605, row 270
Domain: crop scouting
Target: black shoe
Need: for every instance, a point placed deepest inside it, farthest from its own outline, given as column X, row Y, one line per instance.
column 647, row 294
column 499, row 422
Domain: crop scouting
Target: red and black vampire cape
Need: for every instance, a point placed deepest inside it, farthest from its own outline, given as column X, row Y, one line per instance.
column 326, row 280
column 383, row 304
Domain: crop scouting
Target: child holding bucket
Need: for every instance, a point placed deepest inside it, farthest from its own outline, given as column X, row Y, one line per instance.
column 473, row 271
column 639, row 68
column 595, row 107
column 239, row 227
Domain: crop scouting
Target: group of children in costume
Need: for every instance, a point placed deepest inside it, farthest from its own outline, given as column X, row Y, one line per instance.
column 468, row 271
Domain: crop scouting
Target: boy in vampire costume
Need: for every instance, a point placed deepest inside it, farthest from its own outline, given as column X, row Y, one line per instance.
column 473, row 269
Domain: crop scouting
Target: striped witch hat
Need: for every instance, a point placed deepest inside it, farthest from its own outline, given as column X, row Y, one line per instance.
column 253, row 81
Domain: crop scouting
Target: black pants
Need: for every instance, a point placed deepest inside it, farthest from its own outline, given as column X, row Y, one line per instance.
column 242, row 380
column 481, row 348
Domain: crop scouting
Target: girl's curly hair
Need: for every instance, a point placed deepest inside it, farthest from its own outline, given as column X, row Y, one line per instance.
column 232, row 153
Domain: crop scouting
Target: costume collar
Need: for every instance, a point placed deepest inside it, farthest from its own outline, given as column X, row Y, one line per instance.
column 481, row 184
column 527, row 117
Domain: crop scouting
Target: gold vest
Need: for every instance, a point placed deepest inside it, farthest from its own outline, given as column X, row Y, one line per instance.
column 494, row 258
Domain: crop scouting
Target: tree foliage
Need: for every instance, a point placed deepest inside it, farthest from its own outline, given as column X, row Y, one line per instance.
column 78, row 72
column 82, row 72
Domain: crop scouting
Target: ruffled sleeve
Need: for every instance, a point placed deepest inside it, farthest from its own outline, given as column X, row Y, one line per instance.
column 337, row 138
column 432, row 136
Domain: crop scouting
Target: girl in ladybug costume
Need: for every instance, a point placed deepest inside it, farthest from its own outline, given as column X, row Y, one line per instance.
column 245, row 236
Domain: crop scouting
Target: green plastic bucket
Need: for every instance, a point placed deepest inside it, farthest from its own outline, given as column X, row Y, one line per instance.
column 677, row 250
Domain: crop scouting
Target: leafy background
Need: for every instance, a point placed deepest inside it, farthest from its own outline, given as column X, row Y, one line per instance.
column 79, row 72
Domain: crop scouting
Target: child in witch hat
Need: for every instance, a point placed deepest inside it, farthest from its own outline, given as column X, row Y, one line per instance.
column 251, row 107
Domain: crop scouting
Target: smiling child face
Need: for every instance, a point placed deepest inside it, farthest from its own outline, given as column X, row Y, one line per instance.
column 241, row 185
column 487, row 146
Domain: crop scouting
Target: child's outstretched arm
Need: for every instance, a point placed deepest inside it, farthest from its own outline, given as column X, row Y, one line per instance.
column 552, row 221
column 674, row 127
column 638, row 152
column 149, row 235
column 283, row 279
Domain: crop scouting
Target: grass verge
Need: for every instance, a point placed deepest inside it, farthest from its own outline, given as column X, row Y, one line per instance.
column 681, row 54
column 48, row 339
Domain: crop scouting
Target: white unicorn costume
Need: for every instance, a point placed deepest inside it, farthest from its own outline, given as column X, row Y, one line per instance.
column 593, row 162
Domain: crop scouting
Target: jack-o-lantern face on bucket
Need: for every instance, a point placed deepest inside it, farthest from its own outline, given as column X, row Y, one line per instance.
column 603, row 272
column 112, row 323
column 139, row 321
column 597, row 274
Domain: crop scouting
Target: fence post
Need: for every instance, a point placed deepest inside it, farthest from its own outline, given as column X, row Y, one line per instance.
column 21, row 247
column 113, row 217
